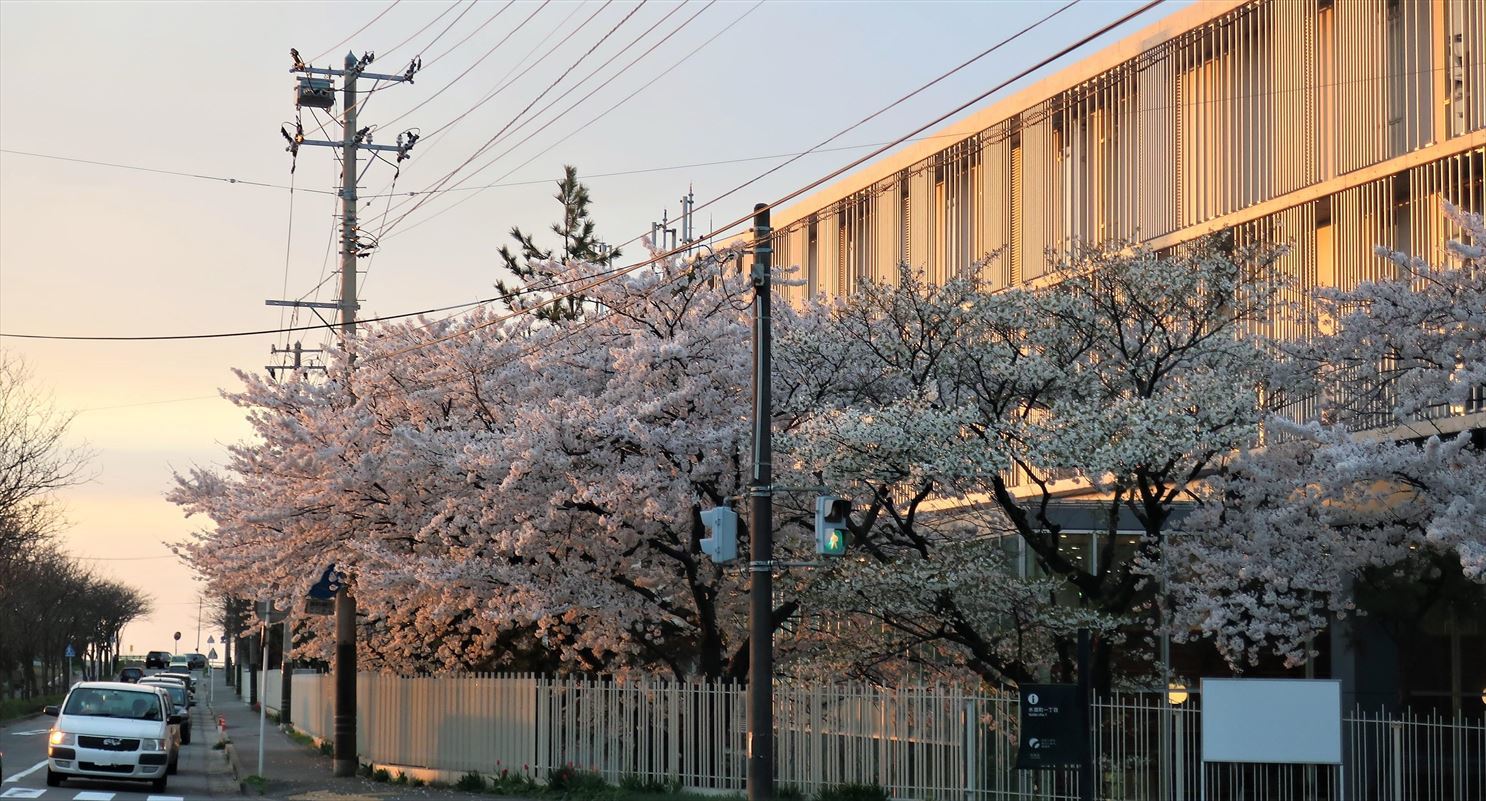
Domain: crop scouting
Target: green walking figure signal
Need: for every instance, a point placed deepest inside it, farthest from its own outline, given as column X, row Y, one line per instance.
column 832, row 525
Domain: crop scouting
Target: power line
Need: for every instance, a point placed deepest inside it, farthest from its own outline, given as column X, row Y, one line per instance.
column 467, row 70
column 621, row 71
column 560, row 78
column 357, row 32
column 596, row 118
column 177, row 173
column 229, row 334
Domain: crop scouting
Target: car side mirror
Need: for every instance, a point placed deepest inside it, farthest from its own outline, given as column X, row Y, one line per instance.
column 52, row 710
column 175, row 720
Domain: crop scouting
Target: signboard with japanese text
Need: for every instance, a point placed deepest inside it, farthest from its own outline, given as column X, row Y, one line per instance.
column 1054, row 731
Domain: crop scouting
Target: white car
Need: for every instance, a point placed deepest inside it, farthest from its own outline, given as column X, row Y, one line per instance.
column 114, row 730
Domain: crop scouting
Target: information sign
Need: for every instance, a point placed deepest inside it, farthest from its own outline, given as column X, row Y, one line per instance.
column 1054, row 730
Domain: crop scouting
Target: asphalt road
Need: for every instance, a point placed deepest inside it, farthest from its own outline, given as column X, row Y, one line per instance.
column 24, row 744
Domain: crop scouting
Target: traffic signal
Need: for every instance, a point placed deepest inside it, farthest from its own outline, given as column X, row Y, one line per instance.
column 832, row 526
column 722, row 524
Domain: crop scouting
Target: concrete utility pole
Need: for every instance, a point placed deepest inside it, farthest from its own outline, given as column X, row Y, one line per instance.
column 317, row 93
column 761, row 529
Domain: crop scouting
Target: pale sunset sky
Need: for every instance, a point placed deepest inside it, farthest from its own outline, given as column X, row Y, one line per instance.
column 203, row 88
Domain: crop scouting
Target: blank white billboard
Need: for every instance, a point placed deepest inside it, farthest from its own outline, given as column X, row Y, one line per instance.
column 1272, row 720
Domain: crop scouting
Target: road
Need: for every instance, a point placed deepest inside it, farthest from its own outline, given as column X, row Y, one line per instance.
column 24, row 745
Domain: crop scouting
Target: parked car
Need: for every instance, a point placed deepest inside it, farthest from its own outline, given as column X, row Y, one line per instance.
column 196, row 661
column 114, row 730
column 131, row 674
column 180, row 672
column 180, row 698
column 157, row 659
column 176, row 679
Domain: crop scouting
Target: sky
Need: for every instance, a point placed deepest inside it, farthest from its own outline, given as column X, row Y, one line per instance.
column 203, row 88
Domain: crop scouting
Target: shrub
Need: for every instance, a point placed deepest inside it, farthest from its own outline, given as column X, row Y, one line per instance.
column 472, row 782
column 402, row 778
column 575, row 782
column 381, row 775
column 788, row 792
column 853, row 792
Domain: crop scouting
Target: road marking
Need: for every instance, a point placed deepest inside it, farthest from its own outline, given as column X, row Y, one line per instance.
column 88, row 795
column 22, row 792
column 30, row 733
column 166, row 798
column 27, row 772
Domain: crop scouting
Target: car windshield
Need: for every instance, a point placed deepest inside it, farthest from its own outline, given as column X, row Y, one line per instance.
column 177, row 692
column 111, row 703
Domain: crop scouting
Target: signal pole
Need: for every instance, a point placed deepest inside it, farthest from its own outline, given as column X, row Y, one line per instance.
column 761, row 529
column 318, row 93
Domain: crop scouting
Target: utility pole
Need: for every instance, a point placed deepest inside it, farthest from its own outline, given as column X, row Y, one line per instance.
column 319, row 93
column 761, row 529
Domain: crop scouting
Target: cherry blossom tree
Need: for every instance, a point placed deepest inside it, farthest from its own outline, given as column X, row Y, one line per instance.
column 1130, row 375
column 507, row 492
column 1381, row 496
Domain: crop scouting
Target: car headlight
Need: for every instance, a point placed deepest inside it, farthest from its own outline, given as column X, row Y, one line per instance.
column 152, row 745
column 63, row 738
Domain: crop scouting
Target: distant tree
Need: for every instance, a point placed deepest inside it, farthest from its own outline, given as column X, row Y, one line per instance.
column 579, row 243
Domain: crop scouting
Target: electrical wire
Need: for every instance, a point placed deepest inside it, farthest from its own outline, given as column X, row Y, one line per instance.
column 288, row 248
column 96, row 163
column 468, row 36
column 358, row 31
column 415, row 34
column 487, row 54
column 560, row 78
column 564, row 112
column 261, row 332
column 612, row 77
column 694, row 165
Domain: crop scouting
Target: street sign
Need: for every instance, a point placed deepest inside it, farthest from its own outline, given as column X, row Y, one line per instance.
column 319, row 606
column 70, row 652
column 210, row 640
column 177, row 638
column 212, row 654
column 267, row 613
column 1054, row 729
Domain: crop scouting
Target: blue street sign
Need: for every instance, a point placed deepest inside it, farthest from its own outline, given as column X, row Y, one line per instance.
column 325, row 588
column 70, row 653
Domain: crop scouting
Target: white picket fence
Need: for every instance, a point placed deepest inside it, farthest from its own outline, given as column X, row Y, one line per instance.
column 918, row 742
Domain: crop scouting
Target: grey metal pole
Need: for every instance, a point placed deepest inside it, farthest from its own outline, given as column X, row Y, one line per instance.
column 345, row 605
column 761, row 530
column 263, row 690
column 286, row 674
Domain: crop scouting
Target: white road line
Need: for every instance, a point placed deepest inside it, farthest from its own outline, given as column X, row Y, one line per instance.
column 30, row 733
column 27, row 772
column 88, row 795
column 22, row 792
column 166, row 798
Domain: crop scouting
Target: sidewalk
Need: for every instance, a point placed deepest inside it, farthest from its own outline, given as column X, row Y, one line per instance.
column 295, row 772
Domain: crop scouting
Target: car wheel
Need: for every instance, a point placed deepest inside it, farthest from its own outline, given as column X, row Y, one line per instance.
column 53, row 779
column 186, row 736
column 158, row 785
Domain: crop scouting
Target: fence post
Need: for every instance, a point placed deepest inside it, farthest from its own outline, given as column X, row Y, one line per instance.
column 970, row 749
column 1397, row 731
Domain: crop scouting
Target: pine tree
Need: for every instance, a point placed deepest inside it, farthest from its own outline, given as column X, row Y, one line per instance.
column 579, row 244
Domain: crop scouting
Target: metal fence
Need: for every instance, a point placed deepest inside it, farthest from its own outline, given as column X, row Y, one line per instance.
column 923, row 742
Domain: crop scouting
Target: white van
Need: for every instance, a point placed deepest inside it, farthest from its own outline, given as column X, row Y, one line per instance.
column 114, row 730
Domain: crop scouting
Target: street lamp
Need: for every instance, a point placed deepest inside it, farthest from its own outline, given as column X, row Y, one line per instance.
column 1176, row 693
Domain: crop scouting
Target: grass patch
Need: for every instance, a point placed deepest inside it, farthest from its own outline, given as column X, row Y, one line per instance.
column 12, row 708
column 381, row 775
column 256, row 783
column 471, row 782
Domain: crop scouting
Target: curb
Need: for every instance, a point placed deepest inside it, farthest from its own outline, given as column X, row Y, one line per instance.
column 229, row 752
